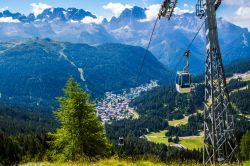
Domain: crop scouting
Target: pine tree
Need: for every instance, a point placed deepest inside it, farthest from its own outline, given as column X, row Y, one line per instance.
column 81, row 133
column 245, row 146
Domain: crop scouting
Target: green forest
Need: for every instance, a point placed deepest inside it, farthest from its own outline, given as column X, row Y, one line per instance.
column 73, row 131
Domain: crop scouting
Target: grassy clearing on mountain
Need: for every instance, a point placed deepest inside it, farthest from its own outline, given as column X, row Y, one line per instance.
column 178, row 122
column 247, row 78
column 193, row 142
column 135, row 115
column 159, row 137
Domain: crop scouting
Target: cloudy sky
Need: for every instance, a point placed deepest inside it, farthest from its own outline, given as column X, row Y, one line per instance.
column 236, row 11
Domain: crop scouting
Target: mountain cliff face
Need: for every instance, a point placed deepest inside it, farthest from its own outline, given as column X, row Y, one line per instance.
column 35, row 71
column 169, row 42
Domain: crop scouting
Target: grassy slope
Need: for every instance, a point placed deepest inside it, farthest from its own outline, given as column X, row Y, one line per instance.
column 159, row 137
column 246, row 163
column 178, row 122
column 105, row 162
column 189, row 142
column 193, row 142
column 117, row 162
column 246, row 79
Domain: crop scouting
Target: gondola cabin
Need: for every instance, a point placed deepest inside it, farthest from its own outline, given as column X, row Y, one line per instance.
column 121, row 141
column 183, row 82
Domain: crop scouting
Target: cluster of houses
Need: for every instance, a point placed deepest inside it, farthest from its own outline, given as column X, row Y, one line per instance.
column 242, row 75
column 116, row 106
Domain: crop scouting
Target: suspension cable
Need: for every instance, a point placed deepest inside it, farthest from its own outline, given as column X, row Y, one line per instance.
column 146, row 51
column 190, row 44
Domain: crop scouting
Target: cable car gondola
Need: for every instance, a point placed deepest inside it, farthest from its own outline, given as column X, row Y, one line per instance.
column 121, row 141
column 183, row 82
column 183, row 78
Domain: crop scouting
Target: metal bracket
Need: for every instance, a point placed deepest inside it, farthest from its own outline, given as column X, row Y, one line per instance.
column 200, row 10
column 187, row 54
column 217, row 4
column 167, row 9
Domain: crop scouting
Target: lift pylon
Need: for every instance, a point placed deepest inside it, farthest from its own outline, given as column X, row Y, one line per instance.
column 220, row 143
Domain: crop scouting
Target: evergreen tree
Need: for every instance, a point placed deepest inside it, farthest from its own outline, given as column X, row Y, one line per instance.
column 245, row 146
column 81, row 133
column 9, row 151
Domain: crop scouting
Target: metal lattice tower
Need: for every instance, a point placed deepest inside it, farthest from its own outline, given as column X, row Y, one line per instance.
column 220, row 143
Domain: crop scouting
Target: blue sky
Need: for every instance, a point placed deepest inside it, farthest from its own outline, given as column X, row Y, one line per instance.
column 236, row 11
column 95, row 6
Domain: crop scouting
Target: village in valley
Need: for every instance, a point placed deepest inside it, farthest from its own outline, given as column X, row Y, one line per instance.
column 116, row 106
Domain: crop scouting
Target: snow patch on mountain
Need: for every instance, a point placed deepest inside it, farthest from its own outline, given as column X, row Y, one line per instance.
column 38, row 8
column 9, row 20
column 81, row 74
column 184, row 28
column 124, row 32
column 91, row 20
column 245, row 42
column 80, row 70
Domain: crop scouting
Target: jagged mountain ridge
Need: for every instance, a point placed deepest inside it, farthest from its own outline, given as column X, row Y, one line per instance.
column 169, row 43
column 50, row 14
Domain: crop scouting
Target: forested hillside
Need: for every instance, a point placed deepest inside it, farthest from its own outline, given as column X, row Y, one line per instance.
column 164, row 109
column 34, row 71
column 156, row 108
column 83, row 89
column 240, row 66
column 19, row 119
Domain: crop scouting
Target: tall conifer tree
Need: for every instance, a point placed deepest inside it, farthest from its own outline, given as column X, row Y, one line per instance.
column 81, row 133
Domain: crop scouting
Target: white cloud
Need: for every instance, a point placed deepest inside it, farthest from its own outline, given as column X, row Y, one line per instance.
column 73, row 22
column 8, row 20
column 185, row 5
column 237, row 2
column 116, row 8
column 144, row 2
column 39, row 7
column 4, row 8
column 243, row 12
column 179, row 11
column 90, row 20
column 151, row 12
column 241, row 17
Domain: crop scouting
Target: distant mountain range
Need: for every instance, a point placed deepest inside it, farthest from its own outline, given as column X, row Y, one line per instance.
column 169, row 43
column 35, row 71
column 50, row 14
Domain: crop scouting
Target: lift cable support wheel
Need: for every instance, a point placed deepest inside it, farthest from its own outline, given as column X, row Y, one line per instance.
column 167, row 9
column 200, row 7
column 220, row 144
